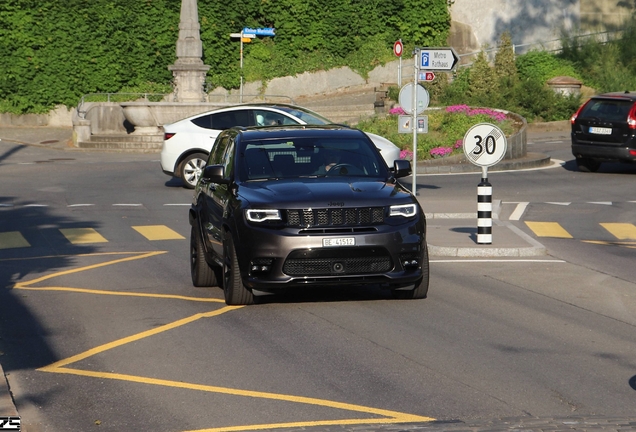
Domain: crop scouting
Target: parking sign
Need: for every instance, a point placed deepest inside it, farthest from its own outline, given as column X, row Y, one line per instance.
column 425, row 59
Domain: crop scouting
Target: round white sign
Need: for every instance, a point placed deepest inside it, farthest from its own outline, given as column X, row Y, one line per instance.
column 405, row 98
column 485, row 144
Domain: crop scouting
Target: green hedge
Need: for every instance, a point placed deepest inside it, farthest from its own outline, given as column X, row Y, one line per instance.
column 53, row 51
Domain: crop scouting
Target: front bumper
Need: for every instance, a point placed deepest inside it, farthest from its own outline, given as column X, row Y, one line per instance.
column 272, row 260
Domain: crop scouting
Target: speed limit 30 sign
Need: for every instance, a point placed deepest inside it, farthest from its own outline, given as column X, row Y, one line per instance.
column 485, row 144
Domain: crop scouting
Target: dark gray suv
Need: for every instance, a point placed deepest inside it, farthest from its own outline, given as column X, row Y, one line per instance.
column 604, row 130
column 284, row 208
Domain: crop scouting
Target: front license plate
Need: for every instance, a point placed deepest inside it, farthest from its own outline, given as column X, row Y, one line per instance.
column 601, row 131
column 339, row 241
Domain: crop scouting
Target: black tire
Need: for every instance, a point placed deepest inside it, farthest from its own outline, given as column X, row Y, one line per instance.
column 421, row 288
column 191, row 167
column 587, row 165
column 233, row 288
column 203, row 275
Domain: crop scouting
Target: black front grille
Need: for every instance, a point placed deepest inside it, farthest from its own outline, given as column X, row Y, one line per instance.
column 307, row 218
column 338, row 262
column 336, row 266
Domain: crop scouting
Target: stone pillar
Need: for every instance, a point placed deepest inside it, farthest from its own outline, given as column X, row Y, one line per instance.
column 188, row 70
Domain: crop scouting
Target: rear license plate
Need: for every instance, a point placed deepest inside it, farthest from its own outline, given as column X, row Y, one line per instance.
column 339, row 241
column 601, row 131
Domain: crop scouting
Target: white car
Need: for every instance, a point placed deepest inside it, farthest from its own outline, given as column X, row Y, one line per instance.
column 188, row 142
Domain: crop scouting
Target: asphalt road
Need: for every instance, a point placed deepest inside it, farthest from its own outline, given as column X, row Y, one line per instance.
column 111, row 335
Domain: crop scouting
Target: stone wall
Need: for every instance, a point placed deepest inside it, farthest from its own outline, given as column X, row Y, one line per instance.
column 478, row 24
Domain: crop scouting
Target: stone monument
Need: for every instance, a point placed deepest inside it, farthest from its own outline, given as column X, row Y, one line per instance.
column 188, row 70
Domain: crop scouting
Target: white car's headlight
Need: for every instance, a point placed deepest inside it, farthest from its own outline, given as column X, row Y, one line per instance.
column 256, row 215
column 404, row 210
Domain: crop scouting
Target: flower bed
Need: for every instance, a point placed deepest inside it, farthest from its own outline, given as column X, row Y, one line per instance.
column 446, row 129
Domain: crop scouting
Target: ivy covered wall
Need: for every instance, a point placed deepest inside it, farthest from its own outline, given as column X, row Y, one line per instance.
column 53, row 52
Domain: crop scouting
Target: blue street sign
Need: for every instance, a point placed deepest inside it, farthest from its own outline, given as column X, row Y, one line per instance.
column 425, row 59
column 266, row 31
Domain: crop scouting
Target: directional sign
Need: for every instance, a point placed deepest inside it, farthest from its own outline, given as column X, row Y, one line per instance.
column 398, row 48
column 427, row 76
column 485, row 144
column 437, row 59
column 405, row 98
column 267, row 31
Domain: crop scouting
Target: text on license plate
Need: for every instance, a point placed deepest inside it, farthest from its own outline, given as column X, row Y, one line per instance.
column 601, row 131
column 339, row 241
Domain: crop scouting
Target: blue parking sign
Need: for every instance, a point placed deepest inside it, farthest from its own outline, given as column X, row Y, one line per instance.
column 425, row 59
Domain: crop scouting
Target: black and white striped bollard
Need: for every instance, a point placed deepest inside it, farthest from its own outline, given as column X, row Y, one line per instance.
column 484, row 212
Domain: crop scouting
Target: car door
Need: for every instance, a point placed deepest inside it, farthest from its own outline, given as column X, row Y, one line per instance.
column 217, row 196
column 209, row 126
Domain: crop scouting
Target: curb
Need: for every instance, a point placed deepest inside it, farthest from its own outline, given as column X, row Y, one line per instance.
column 7, row 406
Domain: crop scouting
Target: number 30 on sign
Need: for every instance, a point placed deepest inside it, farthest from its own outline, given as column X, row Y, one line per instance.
column 485, row 144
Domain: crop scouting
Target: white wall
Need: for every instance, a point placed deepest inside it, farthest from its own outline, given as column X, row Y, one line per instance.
column 528, row 21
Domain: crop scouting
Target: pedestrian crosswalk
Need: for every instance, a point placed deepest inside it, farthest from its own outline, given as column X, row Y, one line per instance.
column 88, row 235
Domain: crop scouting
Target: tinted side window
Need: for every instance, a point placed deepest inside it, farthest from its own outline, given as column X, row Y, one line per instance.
column 216, row 155
column 228, row 158
column 203, row 121
column 226, row 120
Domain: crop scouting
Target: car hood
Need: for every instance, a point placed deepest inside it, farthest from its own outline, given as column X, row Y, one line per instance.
column 306, row 193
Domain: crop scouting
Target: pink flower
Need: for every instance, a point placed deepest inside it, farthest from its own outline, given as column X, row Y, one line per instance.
column 440, row 152
column 465, row 109
column 397, row 111
column 406, row 155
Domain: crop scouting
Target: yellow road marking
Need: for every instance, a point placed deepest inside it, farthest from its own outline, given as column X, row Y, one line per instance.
column 388, row 416
column 158, row 232
column 122, row 294
column 73, row 255
column 90, row 267
column 631, row 245
column 82, row 235
column 136, row 337
column 548, row 229
column 622, row 231
column 12, row 239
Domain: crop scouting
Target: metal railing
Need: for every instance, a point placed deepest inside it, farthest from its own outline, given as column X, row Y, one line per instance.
column 226, row 98
column 117, row 97
column 553, row 45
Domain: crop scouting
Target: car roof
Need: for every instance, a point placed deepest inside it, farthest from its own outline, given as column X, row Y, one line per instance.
column 297, row 131
column 260, row 105
column 617, row 95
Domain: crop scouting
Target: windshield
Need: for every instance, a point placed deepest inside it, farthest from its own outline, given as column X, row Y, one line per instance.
column 305, row 115
column 309, row 157
column 607, row 109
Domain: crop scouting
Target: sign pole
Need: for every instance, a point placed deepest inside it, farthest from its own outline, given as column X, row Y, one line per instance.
column 414, row 124
column 241, row 91
column 484, row 209
column 400, row 70
column 484, row 145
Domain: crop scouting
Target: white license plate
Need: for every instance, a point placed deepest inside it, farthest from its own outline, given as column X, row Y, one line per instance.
column 601, row 131
column 339, row 241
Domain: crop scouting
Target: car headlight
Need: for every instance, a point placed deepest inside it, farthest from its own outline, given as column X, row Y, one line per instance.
column 258, row 215
column 404, row 210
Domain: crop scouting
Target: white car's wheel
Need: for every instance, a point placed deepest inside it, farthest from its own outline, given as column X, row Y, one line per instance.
column 191, row 167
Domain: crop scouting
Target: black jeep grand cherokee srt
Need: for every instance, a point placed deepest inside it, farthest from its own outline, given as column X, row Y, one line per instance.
column 282, row 208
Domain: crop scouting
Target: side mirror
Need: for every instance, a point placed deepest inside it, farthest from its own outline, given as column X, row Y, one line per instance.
column 214, row 174
column 401, row 168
